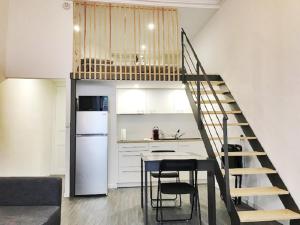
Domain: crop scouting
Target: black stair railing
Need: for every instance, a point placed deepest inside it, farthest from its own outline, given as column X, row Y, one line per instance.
column 207, row 114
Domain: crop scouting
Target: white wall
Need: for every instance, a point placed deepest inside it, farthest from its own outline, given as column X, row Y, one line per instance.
column 39, row 39
column 3, row 29
column 254, row 45
column 26, row 127
column 59, row 129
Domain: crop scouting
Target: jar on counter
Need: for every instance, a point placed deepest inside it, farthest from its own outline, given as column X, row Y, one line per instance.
column 155, row 133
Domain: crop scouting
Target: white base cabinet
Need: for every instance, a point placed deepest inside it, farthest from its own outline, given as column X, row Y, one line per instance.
column 130, row 163
column 130, row 158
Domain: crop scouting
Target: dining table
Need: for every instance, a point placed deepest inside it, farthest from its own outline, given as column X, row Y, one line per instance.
column 150, row 162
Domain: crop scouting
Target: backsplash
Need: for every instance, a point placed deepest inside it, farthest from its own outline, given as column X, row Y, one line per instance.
column 140, row 126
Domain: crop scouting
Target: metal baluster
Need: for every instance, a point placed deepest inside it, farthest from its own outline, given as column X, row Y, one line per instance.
column 226, row 168
column 182, row 58
column 200, row 124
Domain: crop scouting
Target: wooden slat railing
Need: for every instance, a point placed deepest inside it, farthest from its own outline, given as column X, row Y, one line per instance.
column 125, row 42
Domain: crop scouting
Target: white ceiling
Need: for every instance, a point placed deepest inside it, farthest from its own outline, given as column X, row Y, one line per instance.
column 173, row 3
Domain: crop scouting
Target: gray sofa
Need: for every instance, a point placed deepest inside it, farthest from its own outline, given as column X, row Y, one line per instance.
column 30, row 201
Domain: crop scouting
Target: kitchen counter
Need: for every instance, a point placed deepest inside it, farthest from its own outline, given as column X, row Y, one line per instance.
column 130, row 155
column 162, row 140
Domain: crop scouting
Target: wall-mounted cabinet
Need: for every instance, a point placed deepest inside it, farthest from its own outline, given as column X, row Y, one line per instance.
column 152, row 101
column 180, row 103
column 131, row 101
column 158, row 101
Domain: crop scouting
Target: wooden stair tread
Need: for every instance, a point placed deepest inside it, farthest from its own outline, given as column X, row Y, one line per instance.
column 234, row 138
column 229, row 124
column 257, row 191
column 243, row 153
column 267, row 215
column 220, row 112
column 249, row 171
column 210, row 92
column 216, row 83
column 215, row 101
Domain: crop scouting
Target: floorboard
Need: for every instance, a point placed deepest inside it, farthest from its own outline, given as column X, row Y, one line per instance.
column 122, row 207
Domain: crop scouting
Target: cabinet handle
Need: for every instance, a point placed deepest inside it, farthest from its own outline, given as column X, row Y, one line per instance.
column 134, row 147
column 132, row 155
column 135, row 151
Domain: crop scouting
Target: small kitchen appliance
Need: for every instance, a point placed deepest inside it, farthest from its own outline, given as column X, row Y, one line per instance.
column 155, row 133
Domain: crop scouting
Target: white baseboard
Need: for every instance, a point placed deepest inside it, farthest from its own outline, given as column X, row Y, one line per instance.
column 112, row 186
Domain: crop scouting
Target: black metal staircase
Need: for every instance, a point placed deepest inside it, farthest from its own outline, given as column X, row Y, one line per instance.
column 213, row 122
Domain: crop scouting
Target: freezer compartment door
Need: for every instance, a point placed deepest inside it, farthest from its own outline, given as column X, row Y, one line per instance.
column 91, row 122
column 91, row 165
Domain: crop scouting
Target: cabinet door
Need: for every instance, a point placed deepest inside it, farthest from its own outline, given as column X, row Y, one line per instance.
column 130, row 163
column 130, row 159
column 133, row 147
column 155, row 146
column 130, row 154
column 159, row 101
column 130, row 176
column 131, row 101
column 196, row 147
column 180, row 102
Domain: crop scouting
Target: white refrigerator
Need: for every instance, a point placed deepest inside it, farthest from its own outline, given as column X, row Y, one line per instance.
column 91, row 153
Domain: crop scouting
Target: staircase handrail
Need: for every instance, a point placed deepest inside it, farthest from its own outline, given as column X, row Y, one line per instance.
column 225, row 117
column 204, row 74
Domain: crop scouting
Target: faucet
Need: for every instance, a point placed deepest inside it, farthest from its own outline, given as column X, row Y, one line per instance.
column 178, row 135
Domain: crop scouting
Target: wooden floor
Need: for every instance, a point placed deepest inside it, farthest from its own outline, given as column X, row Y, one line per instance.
column 122, row 207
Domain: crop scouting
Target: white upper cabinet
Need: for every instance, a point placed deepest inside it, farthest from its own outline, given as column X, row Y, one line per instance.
column 131, row 101
column 159, row 101
column 180, row 102
column 148, row 101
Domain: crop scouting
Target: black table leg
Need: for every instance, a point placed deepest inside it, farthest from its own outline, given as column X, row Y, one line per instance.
column 142, row 186
column 146, row 199
column 191, row 180
column 211, row 192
